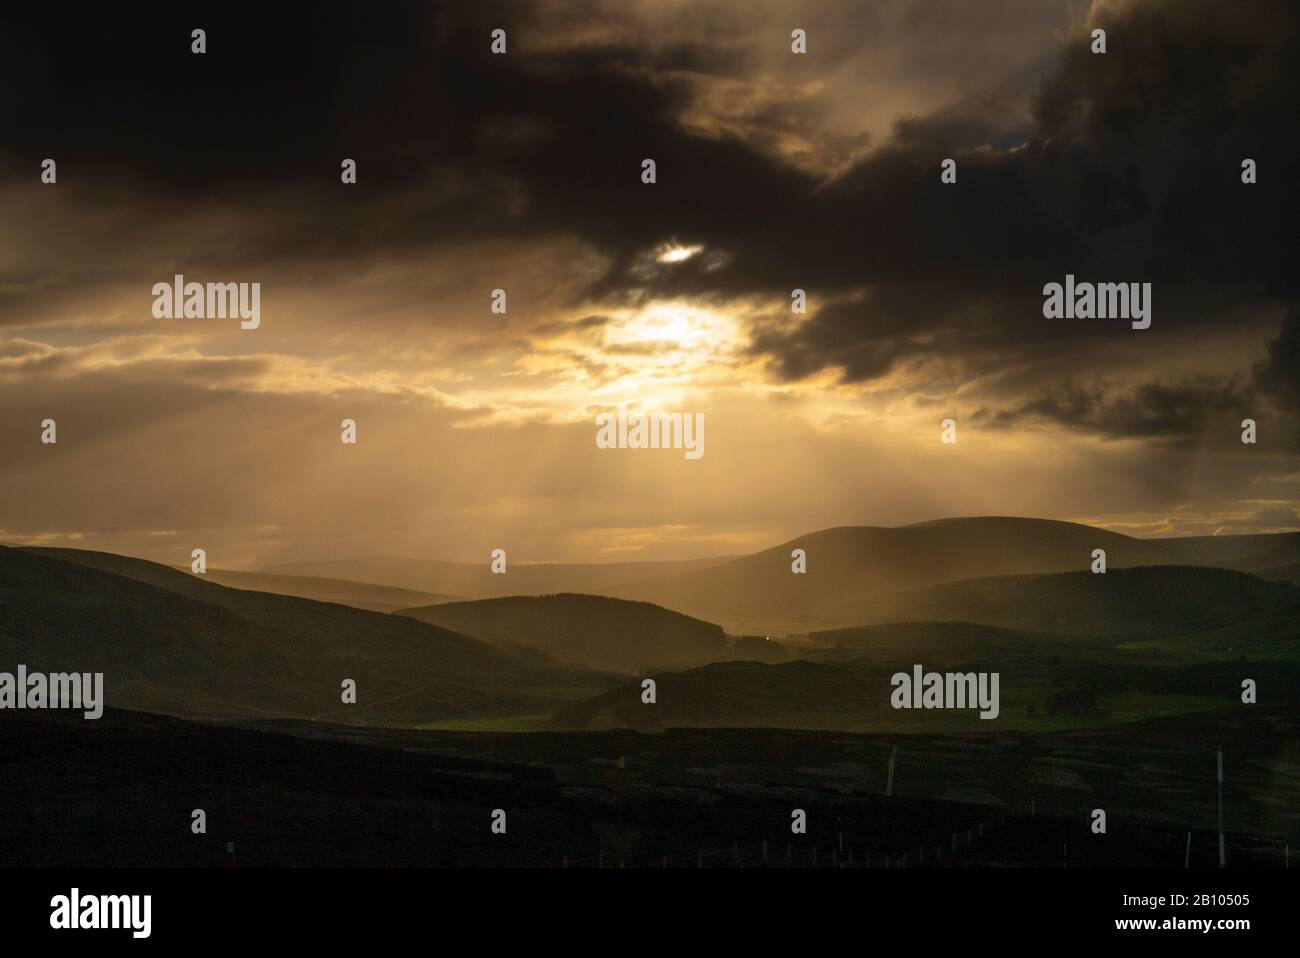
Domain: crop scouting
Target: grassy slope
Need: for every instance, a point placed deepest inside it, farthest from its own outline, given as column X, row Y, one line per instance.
column 593, row 631
column 1145, row 642
column 205, row 650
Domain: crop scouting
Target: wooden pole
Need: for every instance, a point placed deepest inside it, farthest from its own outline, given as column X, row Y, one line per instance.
column 1223, row 862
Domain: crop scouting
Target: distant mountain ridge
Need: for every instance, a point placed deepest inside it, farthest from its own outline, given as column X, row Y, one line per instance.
column 361, row 595
column 848, row 569
column 476, row 581
column 851, row 568
column 173, row 642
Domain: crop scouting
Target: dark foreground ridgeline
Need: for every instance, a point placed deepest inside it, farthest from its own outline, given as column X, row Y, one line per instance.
column 121, row 791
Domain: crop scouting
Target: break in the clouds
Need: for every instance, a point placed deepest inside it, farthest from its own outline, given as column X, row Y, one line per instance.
column 522, row 172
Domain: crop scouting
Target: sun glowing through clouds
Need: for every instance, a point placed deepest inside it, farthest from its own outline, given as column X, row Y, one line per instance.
column 676, row 333
column 671, row 253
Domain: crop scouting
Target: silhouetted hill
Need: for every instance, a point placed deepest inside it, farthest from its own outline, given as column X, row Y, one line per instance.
column 476, row 580
column 1283, row 573
column 1250, row 553
column 170, row 642
column 1071, row 648
column 360, row 595
column 912, row 639
column 307, row 618
column 593, row 631
column 1145, row 601
column 850, row 568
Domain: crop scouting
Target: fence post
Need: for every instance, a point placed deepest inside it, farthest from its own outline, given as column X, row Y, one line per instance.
column 1223, row 862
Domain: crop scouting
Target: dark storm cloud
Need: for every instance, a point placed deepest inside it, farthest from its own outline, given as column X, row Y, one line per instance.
column 1133, row 174
column 1277, row 375
column 1151, row 410
column 452, row 143
column 1130, row 173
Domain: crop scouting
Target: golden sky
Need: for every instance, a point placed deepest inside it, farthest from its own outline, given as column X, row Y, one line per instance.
column 521, row 172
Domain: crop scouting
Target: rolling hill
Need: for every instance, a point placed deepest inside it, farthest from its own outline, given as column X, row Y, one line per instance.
column 897, row 640
column 849, row 569
column 1072, row 649
column 1283, row 573
column 1135, row 602
column 593, row 631
column 169, row 642
column 360, row 595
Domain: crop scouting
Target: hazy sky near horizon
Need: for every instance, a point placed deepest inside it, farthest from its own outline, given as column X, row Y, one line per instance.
column 775, row 171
